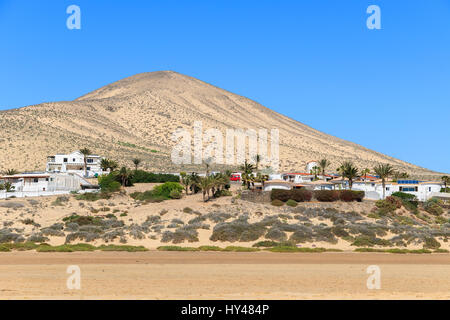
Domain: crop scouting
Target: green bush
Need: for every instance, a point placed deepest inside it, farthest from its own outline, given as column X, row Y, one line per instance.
column 141, row 176
column 277, row 203
column 165, row 189
column 175, row 194
column 291, row 203
column 404, row 196
column 109, row 183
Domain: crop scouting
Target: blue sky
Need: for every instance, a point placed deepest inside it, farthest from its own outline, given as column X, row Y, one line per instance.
column 315, row 61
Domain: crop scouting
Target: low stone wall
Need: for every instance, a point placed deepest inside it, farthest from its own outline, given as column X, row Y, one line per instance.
column 256, row 196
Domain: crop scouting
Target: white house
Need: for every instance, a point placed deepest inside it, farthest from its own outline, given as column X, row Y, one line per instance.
column 74, row 163
column 43, row 184
column 423, row 190
column 310, row 165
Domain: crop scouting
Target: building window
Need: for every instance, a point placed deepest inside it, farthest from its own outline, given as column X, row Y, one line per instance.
column 65, row 159
column 73, row 160
column 387, row 188
column 46, row 179
column 408, row 189
column 36, row 180
column 429, row 189
column 90, row 160
column 88, row 168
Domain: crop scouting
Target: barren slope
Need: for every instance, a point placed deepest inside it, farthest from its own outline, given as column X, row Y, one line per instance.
column 136, row 116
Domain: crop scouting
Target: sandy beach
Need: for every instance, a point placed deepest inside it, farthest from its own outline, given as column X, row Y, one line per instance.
column 213, row 275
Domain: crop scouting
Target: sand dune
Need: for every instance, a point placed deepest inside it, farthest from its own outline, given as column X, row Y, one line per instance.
column 136, row 116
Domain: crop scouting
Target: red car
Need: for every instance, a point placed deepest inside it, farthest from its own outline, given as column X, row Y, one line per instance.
column 235, row 177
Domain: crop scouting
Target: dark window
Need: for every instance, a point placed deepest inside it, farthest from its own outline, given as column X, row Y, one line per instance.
column 46, row 179
column 88, row 168
column 35, row 180
column 73, row 160
column 90, row 160
column 65, row 160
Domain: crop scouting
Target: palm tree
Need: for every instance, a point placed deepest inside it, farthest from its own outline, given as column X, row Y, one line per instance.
column 105, row 164
column 186, row 181
column 11, row 172
column 446, row 181
column 204, row 184
column 315, row 171
column 136, row 163
column 247, row 170
column 113, row 165
column 85, row 152
column 324, row 164
column 125, row 175
column 364, row 173
column 350, row 172
column 257, row 161
column 384, row 171
column 9, row 187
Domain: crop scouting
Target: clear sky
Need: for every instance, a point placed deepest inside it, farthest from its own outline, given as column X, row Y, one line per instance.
column 315, row 61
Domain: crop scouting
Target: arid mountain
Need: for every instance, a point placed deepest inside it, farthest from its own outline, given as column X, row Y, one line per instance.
column 136, row 116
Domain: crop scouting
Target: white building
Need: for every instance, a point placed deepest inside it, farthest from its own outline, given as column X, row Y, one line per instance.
column 310, row 165
column 43, row 184
column 74, row 163
column 423, row 190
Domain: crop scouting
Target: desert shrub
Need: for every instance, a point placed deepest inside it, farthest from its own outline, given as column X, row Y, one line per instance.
column 367, row 241
column 433, row 206
column 277, row 203
column 37, row 237
column 60, row 201
column 6, row 235
column 326, row 195
column 11, row 205
column 52, row 232
column 431, row 243
column 29, row 221
column 141, row 176
column 177, row 221
column 339, row 232
column 389, row 205
column 82, row 235
column 223, row 193
column 351, row 195
column 302, row 234
column 187, row 210
column 237, row 230
column 165, row 189
column 123, row 214
column 266, row 244
column 112, row 235
column 180, row 235
column 93, row 196
column 218, row 216
column 291, row 203
column 276, row 234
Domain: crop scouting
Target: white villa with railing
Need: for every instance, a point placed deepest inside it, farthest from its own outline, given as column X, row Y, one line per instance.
column 74, row 163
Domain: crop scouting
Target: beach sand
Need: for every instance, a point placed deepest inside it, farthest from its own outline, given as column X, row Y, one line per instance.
column 219, row 275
